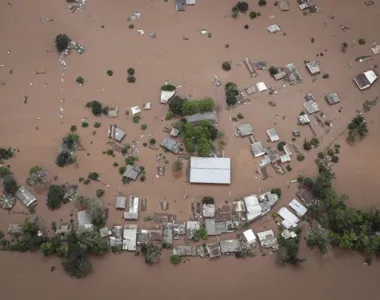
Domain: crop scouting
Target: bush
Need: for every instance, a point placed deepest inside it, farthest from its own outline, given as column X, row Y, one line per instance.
column 176, row 104
column 169, row 116
column 62, row 42
column 331, row 152
column 77, row 263
column 96, row 107
column 357, row 128
column 136, row 118
column 312, row 40
column 130, row 160
column 99, row 193
column 242, row 6
column 300, row 157
column 198, row 106
column 131, row 71
column 55, row 197
column 262, row 3
column 177, row 165
column 168, row 88
column 79, row 80
column 93, row 176
column 2, row 235
column 4, row 172
column 314, row 142
column 325, row 76
column 273, row 70
column 73, row 128
column 335, row 159
column 280, row 146
column 277, row 191
column 289, row 168
column 231, row 92
column 84, row 124
column 208, row 200
column 109, row 72
column 131, row 26
column 226, row 66
column 105, row 110
column 253, row 14
column 10, row 185
column 64, row 158
column 131, row 79
column 122, row 170
column 143, row 127
column 142, row 178
column 152, row 141
column 321, row 155
column 246, row 26
column 175, row 259
column 307, row 145
column 362, row 41
column 308, row 183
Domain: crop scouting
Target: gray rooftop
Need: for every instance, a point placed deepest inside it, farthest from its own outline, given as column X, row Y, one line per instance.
column 26, row 197
column 191, row 228
column 245, row 129
column 229, row 246
column 197, row 118
column 332, row 98
column 257, row 149
column 213, row 249
column 121, row 202
column 313, row 67
column 209, row 210
column 171, row 145
column 291, row 72
column 84, row 217
column 132, row 172
column 130, row 237
column 185, row 251
column 311, row 107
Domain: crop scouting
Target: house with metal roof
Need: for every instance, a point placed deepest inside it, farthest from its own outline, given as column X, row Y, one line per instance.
column 185, row 251
column 170, row 145
column 121, row 202
column 132, row 172
column 229, row 246
column 311, row 107
column 209, row 210
column 267, row 239
column 365, row 80
column 179, row 229
column 168, row 234
column 191, row 228
column 250, row 236
column 332, row 98
column 273, row 135
column 116, row 133
column 213, row 249
column 133, row 209
column 214, row 170
column 313, row 67
column 253, row 207
column 258, row 149
column 289, row 219
column 245, row 129
column 292, row 74
column 130, row 237
column 84, row 222
column 298, row 208
column 26, row 197
column 196, row 119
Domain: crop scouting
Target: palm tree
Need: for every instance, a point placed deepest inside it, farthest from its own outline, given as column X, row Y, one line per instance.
column 357, row 128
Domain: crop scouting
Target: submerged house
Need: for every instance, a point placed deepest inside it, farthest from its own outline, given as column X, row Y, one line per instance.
column 250, row 67
column 298, row 208
column 258, row 149
column 120, row 202
column 170, row 145
column 133, row 209
column 229, row 246
column 245, row 129
column 213, row 249
column 292, row 74
column 313, row 67
column 185, row 251
column 132, row 172
column 365, row 80
column 191, row 228
column 332, row 98
column 289, row 219
column 250, row 237
column 273, row 135
column 26, row 197
column 116, row 133
column 85, row 222
column 130, row 237
column 214, row 170
column 267, row 239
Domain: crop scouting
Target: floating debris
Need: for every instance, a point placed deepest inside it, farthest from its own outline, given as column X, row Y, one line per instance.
column 140, row 31
column 78, row 4
column 134, row 16
column 152, row 34
column 216, row 82
column 44, row 20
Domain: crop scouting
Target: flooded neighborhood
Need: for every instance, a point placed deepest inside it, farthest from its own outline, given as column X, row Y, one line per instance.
column 149, row 146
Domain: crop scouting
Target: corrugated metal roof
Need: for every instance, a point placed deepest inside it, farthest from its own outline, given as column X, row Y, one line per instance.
column 210, row 170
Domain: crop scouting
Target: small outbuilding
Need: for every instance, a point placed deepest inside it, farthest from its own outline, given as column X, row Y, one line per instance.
column 284, row 5
column 332, row 98
column 191, row 228
column 185, row 251
column 121, row 202
column 26, row 197
column 273, row 136
column 365, row 80
column 171, row 145
column 245, row 129
column 290, row 220
column 303, row 119
column 132, row 172
column 135, row 110
column 313, row 67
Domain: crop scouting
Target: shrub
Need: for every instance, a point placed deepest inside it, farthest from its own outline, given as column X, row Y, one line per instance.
column 96, row 107
column 152, row 141
column 143, row 127
column 176, row 104
column 131, row 26
column 300, row 157
column 115, row 164
column 262, row 3
column 142, row 178
column 87, row 181
column 55, row 197
column 168, row 88
column 122, row 170
column 362, row 41
column 99, row 193
column 73, row 128
column 131, row 79
column 273, row 70
column 110, row 152
column 109, row 72
column 231, row 92
column 64, row 158
column 208, row 200
column 169, row 116
column 226, row 66
column 177, row 165
column 331, row 152
column 253, row 14
column 4, row 172
column 240, row 116
column 314, row 142
column 325, row 76
column 62, row 42
column 131, row 71
column 306, row 145
column 10, row 185
column 246, row 26
column 242, row 6
column 93, row 176
column 79, row 80
column 335, row 159
column 280, row 146
column 235, row 12
column 277, row 191
column 357, row 128
column 84, row 124
column 175, row 259
column 321, row 155
column 312, row 40
column 289, row 168
column 136, row 118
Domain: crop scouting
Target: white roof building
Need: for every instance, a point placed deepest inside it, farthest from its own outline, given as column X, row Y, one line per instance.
column 214, row 170
column 298, row 208
column 135, row 110
column 257, row 149
column 267, row 239
column 250, row 237
column 253, row 207
column 133, row 211
column 166, row 96
column 129, row 237
column 273, row 136
column 26, row 197
column 261, row 87
column 290, row 220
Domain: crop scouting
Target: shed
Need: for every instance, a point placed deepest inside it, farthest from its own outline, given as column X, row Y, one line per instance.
column 303, row 119
column 171, row 145
column 196, row 119
column 267, row 239
column 229, row 246
column 209, row 210
column 116, row 133
column 121, row 202
column 250, row 67
column 117, row 231
column 250, row 237
column 273, row 136
column 313, row 67
column 311, row 107
column 174, row 132
column 213, row 249
column 133, row 209
column 185, row 251
column 132, row 172
column 135, row 110
column 273, row 28
column 245, row 129
column 292, row 73
column 214, row 170
column 179, row 7
column 210, row 227
column 261, row 87
column 166, row 96
column 365, row 80
column 191, row 228
column 260, row 64
column 130, row 237
column 284, row 5
column 290, row 220
column 332, row 98
column 26, row 197
column 285, row 158
column 257, row 149
column 298, row 208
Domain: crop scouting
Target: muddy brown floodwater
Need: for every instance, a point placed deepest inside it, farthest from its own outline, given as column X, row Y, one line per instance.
column 27, row 44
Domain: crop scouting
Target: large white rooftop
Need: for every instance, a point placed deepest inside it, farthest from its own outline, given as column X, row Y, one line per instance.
column 216, row 170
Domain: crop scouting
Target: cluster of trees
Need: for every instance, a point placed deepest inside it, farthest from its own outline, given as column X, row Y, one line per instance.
column 288, row 252
column 200, row 234
column 349, row 228
column 6, row 153
column 10, row 185
column 37, row 176
column 95, row 207
column 151, row 252
column 97, row 108
column 208, row 200
column 69, row 144
column 198, row 138
column 231, row 91
column 62, row 42
column 55, row 197
column 357, row 128
column 197, row 106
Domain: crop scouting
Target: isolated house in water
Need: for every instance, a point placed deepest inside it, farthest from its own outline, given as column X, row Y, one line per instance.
column 292, row 74
column 313, row 67
column 26, row 197
column 180, row 5
column 116, row 133
column 245, row 129
column 132, row 172
column 250, row 67
column 365, row 80
column 332, row 98
column 170, row 145
column 120, row 202
column 273, row 136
